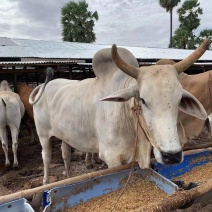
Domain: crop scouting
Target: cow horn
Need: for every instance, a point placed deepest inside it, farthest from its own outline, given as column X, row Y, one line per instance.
column 125, row 67
column 192, row 58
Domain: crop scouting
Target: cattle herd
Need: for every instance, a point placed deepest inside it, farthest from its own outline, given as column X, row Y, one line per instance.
column 95, row 115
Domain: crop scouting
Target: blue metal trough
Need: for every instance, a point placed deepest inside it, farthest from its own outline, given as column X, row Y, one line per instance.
column 189, row 162
column 80, row 191
column 19, row 205
column 74, row 194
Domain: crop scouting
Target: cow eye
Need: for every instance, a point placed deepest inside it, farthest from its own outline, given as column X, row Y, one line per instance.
column 143, row 101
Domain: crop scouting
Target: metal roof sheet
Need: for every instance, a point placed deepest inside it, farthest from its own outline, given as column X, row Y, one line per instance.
column 6, row 42
column 73, row 50
column 13, row 51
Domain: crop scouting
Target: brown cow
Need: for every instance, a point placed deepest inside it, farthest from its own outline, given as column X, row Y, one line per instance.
column 24, row 92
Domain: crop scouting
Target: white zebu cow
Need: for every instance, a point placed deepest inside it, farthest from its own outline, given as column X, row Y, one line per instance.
column 200, row 86
column 11, row 113
column 73, row 112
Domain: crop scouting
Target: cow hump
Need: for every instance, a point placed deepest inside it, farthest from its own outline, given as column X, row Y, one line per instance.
column 104, row 65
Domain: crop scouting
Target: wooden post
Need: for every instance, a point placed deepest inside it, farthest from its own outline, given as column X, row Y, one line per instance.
column 70, row 72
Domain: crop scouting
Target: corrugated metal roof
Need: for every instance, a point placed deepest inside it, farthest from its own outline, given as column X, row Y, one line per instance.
column 6, row 42
column 73, row 50
column 13, row 51
column 160, row 53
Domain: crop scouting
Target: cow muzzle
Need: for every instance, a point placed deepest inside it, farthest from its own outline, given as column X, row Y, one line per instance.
column 171, row 158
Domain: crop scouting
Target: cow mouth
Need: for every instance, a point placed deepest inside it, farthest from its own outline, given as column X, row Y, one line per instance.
column 171, row 158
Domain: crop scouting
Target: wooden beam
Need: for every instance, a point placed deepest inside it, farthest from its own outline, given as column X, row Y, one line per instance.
column 15, row 80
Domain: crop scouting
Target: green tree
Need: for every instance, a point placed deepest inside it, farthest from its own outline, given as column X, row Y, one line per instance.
column 185, row 37
column 188, row 14
column 169, row 5
column 78, row 22
column 206, row 33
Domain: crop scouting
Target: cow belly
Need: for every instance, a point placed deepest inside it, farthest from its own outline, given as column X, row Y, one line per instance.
column 82, row 145
column 76, row 136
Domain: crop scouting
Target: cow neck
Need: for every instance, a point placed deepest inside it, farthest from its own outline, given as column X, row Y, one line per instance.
column 142, row 124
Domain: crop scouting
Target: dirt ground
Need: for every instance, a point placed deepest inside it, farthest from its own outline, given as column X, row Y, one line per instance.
column 30, row 171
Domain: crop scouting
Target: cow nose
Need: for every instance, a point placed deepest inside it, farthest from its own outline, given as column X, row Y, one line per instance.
column 171, row 158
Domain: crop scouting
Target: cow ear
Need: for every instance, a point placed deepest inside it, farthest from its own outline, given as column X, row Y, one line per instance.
column 123, row 95
column 190, row 105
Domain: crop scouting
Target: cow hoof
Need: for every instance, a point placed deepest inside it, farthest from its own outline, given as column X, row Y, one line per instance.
column 98, row 161
column 8, row 166
column 15, row 166
column 103, row 166
column 89, row 166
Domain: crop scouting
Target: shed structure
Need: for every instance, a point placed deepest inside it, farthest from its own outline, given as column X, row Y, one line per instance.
column 25, row 60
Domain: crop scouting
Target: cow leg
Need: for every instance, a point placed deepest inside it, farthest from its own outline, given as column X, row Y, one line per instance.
column 111, row 160
column 113, row 163
column 31, row 131
column 47, row 157
column 66, row 154
column 96, row 159
column 4, row 140
column 29, row 126
column 14, row 133
column 88, row 160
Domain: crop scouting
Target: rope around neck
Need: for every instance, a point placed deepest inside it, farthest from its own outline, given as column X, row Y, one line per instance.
column 137, row 110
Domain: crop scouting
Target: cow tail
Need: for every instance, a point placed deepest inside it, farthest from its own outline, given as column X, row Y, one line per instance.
column 37, row 92
column 5, row 103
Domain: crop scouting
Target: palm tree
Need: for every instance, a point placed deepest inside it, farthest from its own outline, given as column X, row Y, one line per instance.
column 78, row 22
column 206, row 33
column 169, row 5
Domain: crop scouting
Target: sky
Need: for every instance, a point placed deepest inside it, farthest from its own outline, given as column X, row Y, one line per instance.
column 124, row 22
